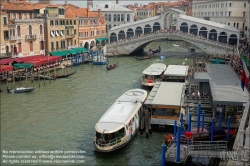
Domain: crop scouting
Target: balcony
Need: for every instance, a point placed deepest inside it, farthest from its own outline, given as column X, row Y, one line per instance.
column 70, row 36
column 30, row 37
column 45, row 15
column 13, row 38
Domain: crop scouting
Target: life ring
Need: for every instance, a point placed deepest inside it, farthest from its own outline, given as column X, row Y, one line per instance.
column 188, row 135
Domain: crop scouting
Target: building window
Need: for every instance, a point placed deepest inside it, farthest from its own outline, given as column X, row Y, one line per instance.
column 243, row 25
column 30, row 30
column 41, row 45
column 122, row 17
column 70, row 22
column 56, row 22
column 229, row 13
column 118, row 17
column 230, row 4
column 18, row 31
column 245, row 4
column 85, row 22
column 74, row 22
column 60, row 11
column 31, row 46
column 19, row 45
column 6, row 35
column 20, row 16
column 244, row 14
column 67, row 22
column 128, row 18
column 30, row 15
column 51, row 22
column 109, row 17
column 75, row 31
column 106, row 6
column 52, row 45
column 41, row 29
column 97, row 33
column 57, row 45
column 4, row 21
column 114, row 17
column 102, row 32
column 75, row 41
column 234, row 24
column 237, row 25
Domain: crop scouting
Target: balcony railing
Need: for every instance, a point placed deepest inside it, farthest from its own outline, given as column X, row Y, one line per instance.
column 70, row 36
column 45, row 15
column 13, row 38
column 30, row 37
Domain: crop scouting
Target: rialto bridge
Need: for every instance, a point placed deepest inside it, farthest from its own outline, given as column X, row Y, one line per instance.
column 211, row 37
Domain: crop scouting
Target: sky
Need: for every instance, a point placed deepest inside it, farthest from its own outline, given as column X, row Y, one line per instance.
column 83, row 3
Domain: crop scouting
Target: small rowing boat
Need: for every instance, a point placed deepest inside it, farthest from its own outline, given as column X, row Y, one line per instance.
column 110, row 67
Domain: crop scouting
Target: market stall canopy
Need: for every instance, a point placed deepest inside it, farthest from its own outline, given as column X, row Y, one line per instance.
column 22, row 65
column 4, row 68
column 6, row 61
column 80, row 50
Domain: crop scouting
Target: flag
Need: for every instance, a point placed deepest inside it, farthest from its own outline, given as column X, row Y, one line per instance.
column 245, row 72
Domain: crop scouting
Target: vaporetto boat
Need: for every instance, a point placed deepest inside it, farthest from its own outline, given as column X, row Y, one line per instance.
column 120, row 122
column 152, row 74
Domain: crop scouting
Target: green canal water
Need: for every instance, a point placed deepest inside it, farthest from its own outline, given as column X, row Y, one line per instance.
column 61, row 114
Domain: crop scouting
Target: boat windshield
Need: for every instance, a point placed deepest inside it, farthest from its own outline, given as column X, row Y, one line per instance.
column 110, row 139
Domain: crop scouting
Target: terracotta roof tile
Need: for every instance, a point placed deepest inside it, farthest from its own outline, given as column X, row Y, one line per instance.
column 17, row 6
column 54, row 6
column 69, row 12
column 39, row 6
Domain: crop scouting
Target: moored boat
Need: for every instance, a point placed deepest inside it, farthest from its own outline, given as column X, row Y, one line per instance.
column 120, row 122
column 110, row 67
column 143, row 57
column 190, row 49
column 153, row 74
column 175, row 45
column 65, row 75
column 203, row 134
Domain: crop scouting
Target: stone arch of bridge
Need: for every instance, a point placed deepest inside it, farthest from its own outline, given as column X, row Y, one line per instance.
column 169, row 19
column 146, row 42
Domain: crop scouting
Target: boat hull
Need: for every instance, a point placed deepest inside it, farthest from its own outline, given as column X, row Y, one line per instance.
column 22, row 90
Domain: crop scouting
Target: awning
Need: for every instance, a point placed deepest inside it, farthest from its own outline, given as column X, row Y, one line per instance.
column 5, row 68
column 22, row 65
column 57, row 53
column 80, row 50
column 102, row 39
column 6, row 61
column 217, row 61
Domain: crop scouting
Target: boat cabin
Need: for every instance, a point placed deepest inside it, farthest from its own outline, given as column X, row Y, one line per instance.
column 176, row 73
column 165, row 99
column 152, row 74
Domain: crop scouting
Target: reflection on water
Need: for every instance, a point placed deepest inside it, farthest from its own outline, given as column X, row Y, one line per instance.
column 61, row 114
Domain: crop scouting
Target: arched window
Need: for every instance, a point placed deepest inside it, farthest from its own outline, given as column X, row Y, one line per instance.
column 13, row 32
column 106, row 6
column 118, row 17
column 30, row 30
column 128, row 18
column 122, row 17
column 41, row 29
column 114, row 17
column 109, row 17
column 18, row 31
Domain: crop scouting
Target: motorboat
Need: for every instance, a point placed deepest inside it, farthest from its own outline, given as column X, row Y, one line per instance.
column 152, row 74
column 175, row 45
column 21, row 90
column 120, row 122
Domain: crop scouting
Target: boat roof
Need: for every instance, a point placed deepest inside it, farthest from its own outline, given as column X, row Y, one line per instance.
column 121, row 111
column 155, row 69
column 176, row 70
column 166, row 93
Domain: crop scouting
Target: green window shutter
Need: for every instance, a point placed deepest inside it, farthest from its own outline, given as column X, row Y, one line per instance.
column 75, row 31
column 5, row 21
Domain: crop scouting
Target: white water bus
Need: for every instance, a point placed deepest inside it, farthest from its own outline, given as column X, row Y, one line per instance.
column 120, row 122
column 152, row 74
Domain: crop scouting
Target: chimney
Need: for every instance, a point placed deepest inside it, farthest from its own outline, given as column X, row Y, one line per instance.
column 99, row 12
column 116, row 1
column 87, row 12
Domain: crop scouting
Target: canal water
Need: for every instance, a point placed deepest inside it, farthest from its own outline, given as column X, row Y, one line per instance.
column 61, row 114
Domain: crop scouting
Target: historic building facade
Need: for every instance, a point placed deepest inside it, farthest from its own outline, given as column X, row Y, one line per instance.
column 231, row 13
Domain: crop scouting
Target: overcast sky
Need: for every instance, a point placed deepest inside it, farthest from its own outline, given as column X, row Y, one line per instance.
column 83, row 3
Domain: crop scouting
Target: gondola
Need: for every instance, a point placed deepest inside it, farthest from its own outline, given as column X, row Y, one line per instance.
column 190, row 49
column 143, row 57
column 156, row 51
column 110, row 67
column 65, row 75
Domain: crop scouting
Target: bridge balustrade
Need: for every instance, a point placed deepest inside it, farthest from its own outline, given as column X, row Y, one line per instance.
column 180, row 35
